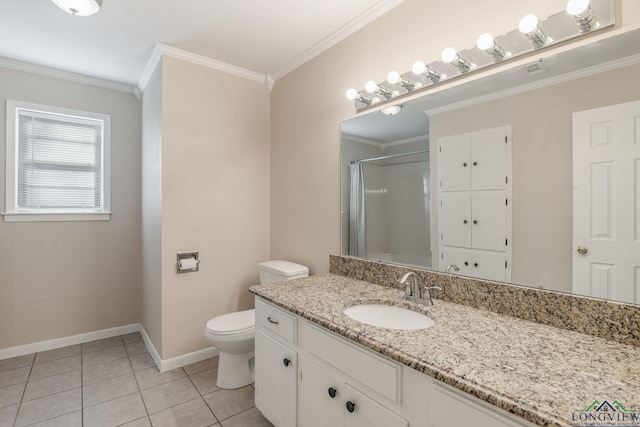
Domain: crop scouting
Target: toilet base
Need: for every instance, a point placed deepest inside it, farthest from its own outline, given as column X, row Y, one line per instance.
column 234, row 370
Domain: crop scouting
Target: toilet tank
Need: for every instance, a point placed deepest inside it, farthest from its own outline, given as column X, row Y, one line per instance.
column 278, row 271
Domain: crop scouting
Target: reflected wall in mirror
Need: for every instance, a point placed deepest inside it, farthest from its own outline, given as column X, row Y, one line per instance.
column 538, row 102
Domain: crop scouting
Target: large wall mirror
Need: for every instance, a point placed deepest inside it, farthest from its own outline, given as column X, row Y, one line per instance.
column 561, row 233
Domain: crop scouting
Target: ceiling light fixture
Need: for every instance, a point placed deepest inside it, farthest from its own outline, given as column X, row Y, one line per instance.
column 79, row 7
column 391, row 110
column 583, row 14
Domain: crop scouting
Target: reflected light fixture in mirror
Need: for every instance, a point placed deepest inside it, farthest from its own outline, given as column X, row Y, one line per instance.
column 531, row 35
column 79, row 7
column 392, row 110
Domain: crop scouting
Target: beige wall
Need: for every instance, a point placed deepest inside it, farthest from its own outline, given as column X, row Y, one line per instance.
column 308, row 104
column 64, row 278
column 151, row 284
column 215, row 199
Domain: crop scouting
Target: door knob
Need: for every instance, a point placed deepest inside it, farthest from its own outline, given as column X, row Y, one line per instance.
column 286, row 361
column 582, row 250
column 332, row 392
column 475, row 221
column 475, row 163
column 464, row 221
column 464, row 164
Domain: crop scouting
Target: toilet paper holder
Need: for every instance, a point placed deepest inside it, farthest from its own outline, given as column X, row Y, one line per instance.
column 187, row 262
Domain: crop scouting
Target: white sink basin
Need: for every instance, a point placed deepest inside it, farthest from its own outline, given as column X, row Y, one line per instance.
column 388, row 316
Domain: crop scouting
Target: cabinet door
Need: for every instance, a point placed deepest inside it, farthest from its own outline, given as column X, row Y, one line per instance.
column 488, row 219
column 489, row 265
column 321, row 397
column 276, row 380
column 454, row 169
column 488, row 159
column 367, row 412
column 461, row 258
column 455, row 219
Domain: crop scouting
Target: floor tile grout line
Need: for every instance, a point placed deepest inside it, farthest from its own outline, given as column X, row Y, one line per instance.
column 135, row 378
column 201, row 396
column 15, row 418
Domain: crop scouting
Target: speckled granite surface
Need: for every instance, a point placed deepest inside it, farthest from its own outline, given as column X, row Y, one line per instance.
column 540, row 373
column 604, row 319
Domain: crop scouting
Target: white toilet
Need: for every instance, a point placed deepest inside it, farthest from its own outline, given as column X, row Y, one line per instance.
column 233, row 334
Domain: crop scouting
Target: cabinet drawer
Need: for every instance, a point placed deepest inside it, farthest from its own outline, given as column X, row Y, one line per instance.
column 276, row 321
column 367, row 413
column 381, row 375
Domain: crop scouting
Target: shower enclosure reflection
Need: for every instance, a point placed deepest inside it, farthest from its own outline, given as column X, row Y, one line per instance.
column 386, row 205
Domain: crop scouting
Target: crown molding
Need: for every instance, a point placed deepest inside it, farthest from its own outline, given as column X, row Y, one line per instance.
column 356, row 24
column 354, row 138
column 405, row 141
column 64, row 75
column 161, row 50
column 585, row 72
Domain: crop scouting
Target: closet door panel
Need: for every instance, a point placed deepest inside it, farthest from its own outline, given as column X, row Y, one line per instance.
column 488, row 159
column 455, row 219
column 454, row 168
column 489, row 216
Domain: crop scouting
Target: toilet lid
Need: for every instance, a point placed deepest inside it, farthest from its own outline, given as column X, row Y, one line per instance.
column 233, row 323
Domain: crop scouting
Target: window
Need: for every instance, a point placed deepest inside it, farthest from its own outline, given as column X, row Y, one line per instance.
column 57, row 164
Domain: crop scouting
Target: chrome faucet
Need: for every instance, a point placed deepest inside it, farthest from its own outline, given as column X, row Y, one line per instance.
column 415, row 294
column 450, row 267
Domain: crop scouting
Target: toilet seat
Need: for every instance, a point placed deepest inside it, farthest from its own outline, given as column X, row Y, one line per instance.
column 233, row 323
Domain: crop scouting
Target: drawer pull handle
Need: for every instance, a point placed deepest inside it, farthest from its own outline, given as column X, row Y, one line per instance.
column 286, row 361
column 275, row 322
column 351, row 406
column 332, row 392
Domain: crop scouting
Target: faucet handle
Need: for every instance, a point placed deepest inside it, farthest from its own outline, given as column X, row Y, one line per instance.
column 428, row 288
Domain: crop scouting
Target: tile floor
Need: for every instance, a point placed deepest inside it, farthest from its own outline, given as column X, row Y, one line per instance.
column 114, row 382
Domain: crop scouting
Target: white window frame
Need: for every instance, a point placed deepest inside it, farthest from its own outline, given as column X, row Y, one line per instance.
column 11, row 213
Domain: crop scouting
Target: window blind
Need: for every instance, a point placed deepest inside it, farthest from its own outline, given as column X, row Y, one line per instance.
column 59, row 163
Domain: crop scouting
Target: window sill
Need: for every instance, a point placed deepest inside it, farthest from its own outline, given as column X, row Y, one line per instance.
column 51, row 217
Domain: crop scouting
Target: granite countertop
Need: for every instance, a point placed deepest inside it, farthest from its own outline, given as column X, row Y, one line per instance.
column 538, row 372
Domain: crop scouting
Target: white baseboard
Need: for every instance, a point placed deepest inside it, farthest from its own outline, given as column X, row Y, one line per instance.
column 178, row 361
column 21, row 350
column 163, row 365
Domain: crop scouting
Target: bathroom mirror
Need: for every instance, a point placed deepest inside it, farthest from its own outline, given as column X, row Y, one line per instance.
column 537, row 101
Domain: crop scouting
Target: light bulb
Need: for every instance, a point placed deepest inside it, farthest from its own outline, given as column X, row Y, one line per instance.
column 371, row 86
column 528, row 24
column 449, row 55
column 352, row 94
column 577, row 7
column 485, row 41
column 393, row 77
column 418, row 67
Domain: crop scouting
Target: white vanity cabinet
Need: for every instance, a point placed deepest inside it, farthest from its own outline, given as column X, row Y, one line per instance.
column 276, row 365
column 474, row 210
column 329, row 381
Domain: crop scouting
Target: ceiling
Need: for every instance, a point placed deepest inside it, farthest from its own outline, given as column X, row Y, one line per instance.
column 267, row 37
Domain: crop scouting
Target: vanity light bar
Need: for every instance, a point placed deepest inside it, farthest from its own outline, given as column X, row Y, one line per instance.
column 580, row 17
